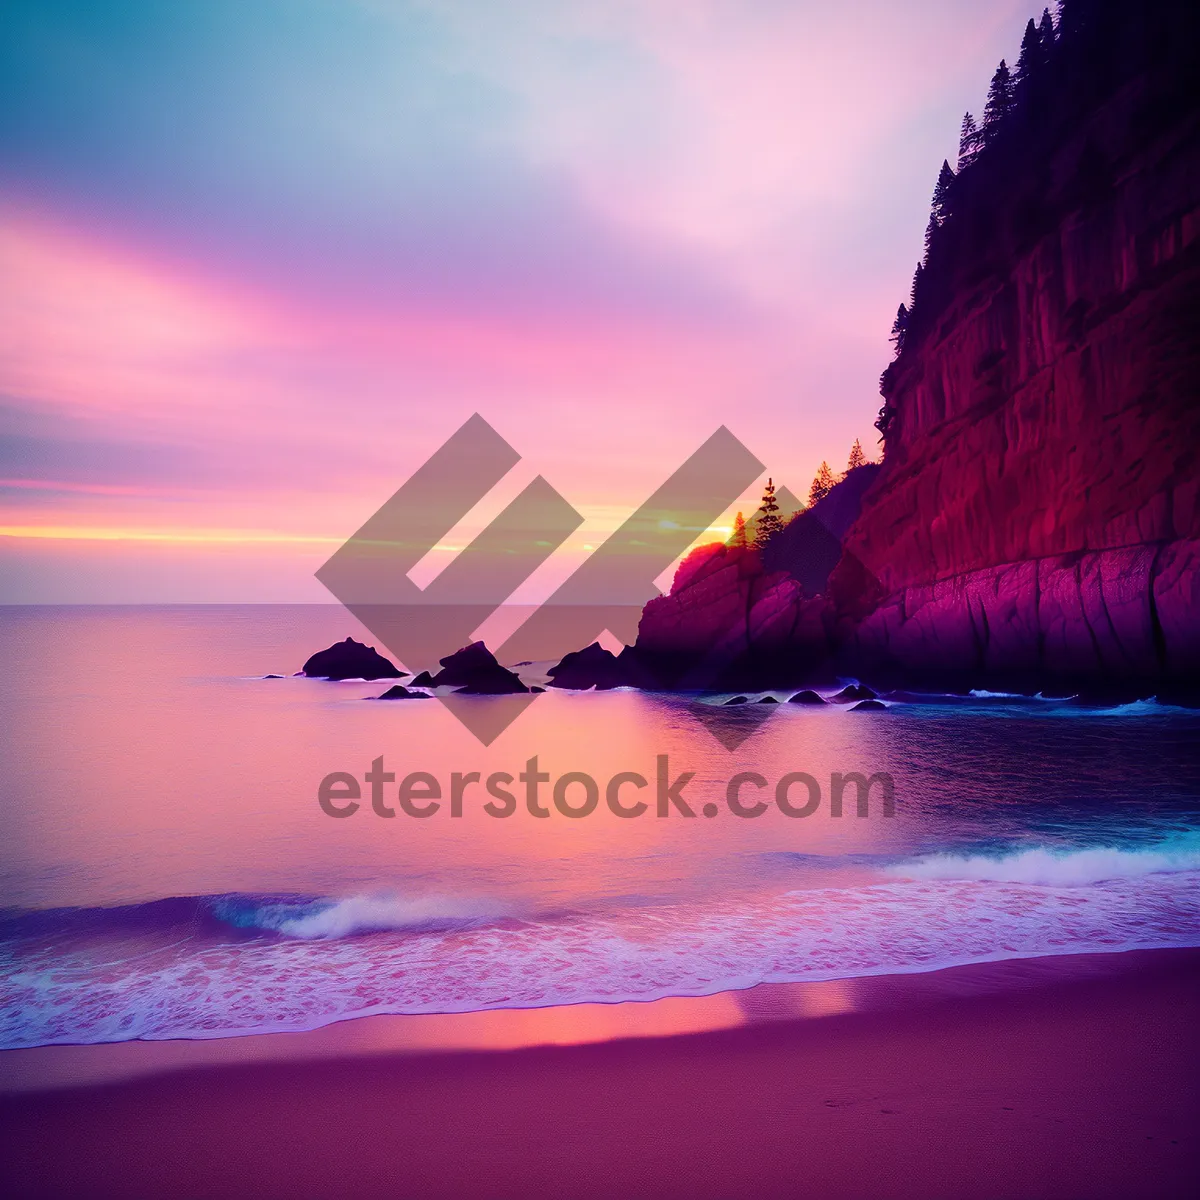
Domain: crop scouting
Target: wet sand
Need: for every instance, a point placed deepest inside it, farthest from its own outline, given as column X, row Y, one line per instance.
column 1073, row 1077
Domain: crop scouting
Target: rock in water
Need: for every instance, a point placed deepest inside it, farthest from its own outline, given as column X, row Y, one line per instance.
column 474, row 671
column 591, row 667
column 350, row 660
column 400, row 692
column 738, row 700
column 870, row 706
column 806, row 697
column 854, row 691
column 494, row 686
column 768, row 700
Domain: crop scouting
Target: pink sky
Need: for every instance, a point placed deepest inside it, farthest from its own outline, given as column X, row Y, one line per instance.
column 256, row 271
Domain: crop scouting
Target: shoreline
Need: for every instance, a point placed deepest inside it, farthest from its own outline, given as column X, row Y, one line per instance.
column 1071, row 1075
column 87, row 1064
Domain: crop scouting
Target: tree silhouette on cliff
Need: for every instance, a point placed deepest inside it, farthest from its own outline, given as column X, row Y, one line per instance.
column 739, row 539
column 943, row 195
column 1005, row 196
column 898, row 327
column 915, row 291
column 940, row 211
column 768, row 522
column 1031, row 61
column 857, row 457
column 1000, row 103
column 822, row 485
column 1046, row 31
column 969, row 142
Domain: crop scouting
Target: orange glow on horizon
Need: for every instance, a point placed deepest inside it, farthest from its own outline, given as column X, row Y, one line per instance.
column 86, row 533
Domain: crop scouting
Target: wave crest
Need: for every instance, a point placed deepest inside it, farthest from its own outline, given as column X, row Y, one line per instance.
column 1055, row 868
column 371, row 914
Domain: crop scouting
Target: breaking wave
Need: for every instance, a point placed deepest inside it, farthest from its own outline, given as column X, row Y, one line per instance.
column 235, row 965
column 1053, row 867
column 368, row 913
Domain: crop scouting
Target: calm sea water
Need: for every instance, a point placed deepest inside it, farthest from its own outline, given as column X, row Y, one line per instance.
column 166, row 870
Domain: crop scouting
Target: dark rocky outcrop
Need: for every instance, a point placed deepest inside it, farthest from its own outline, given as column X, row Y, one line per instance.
column 494, row 685
column 591, row 667
column 350, row 660
column 854, row 691
column 474, row 671
column 595, row 667
column 400, row 692
column 808, row 696
column 870, row 706
column 745, row 617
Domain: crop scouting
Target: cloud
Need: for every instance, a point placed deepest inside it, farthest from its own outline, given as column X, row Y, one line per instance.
column 261, row 259
column 338, row 155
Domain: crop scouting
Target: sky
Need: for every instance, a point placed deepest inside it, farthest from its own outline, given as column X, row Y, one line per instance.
column 260, row 258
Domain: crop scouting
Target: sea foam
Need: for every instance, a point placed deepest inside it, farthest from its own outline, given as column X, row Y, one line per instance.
column 1053, row 867
column 372, row 913
column 214, row 986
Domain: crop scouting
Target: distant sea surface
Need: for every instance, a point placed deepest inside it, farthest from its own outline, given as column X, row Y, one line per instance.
column 167, row 872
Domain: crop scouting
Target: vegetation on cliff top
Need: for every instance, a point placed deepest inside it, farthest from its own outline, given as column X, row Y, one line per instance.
column 767, row 521
column 1001, row 198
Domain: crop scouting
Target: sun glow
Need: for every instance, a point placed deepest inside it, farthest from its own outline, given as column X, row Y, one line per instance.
column 86, row 533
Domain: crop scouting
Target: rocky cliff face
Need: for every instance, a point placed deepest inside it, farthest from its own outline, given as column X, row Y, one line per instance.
column 748, row 617
column 1036, row 519
column 727, row 620
column 1038, row 512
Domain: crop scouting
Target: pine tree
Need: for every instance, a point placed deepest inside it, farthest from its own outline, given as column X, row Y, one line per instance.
column 999, row 102
column 767, row 519
column 968, row 143
column 1029, row 64
column 918, row 276
column 899, row 326
column 1071, row 18
column 739, row 539
column 857, row 457
column 940, row 209
column 930, row 233
column 822, row 485
column 943, row 194
column 1046, row 33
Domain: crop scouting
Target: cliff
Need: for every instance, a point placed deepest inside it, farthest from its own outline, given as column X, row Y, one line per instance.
column 1036, row 519
column 743, row 616
column 1037, row 516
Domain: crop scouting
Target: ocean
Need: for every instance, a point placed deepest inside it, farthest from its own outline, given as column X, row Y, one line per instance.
column 167, row 870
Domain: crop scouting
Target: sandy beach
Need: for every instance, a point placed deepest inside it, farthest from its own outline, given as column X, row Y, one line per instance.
column 1064, row 1079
